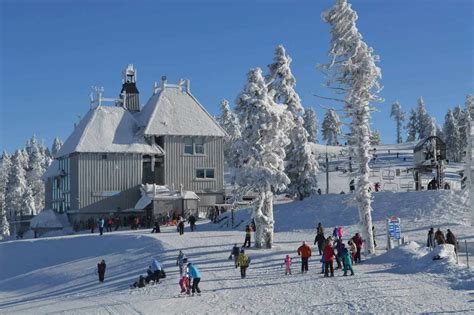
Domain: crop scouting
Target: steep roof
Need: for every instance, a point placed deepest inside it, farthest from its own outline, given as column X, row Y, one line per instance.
column 173, row 111
column 108, row 129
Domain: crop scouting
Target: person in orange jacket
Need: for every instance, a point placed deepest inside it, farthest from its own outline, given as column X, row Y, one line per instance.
column 305, row 252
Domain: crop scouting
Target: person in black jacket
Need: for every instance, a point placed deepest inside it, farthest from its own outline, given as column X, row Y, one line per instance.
column 192, row 222
column 451, row 239
column 235, row 254
column 101, row 270
column 430, row 243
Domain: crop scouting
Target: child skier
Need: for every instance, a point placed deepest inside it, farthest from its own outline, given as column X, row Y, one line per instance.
column 287, row 263
column 184, row 283
column 181, row 261
column 235, row 254
column 243, row 262
column 346, row 260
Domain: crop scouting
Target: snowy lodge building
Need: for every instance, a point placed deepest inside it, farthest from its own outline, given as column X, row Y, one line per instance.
column 119, row 158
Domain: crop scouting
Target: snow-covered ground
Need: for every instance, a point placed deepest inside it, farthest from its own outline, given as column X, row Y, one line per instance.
column 57, row 275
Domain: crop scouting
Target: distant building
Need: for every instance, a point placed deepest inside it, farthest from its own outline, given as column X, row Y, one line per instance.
column 172, row 141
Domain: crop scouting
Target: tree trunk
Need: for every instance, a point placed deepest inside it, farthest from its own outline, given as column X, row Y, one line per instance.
column 263, row 216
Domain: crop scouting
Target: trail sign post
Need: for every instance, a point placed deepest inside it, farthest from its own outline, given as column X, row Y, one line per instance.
column 393, row 231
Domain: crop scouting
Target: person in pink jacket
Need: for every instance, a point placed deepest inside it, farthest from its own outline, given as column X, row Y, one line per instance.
column 340, row 232
column 287, row 263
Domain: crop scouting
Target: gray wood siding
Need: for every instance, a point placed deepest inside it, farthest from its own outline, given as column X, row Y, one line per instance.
column 119, row 172
column 74, row 182
column 180, row 168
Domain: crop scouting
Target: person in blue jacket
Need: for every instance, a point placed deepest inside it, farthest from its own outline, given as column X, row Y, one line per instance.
column 194, row 274
column 101, row 224
column 347, row 260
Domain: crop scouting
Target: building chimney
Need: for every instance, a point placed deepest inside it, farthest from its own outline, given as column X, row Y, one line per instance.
column 129, row 93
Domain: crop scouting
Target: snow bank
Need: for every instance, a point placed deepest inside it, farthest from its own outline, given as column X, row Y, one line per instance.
column 441, row 261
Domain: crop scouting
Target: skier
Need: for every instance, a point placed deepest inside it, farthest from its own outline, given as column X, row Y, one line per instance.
column 346, row 260
column 287, row 263
column 181, row 261
column 156, row 228
column 439, row 237
column 235, row 254
column 248, row 232
column 328, row 260
column 140, row 283
column 181, row 225
column 184, row 283
column 101, row 270
column 192, row 222
column 357, row 240
column 101, row 224
column 430, row 243
column 451, row 239
column 305, row 252
column 243, row 262
column 195, row 275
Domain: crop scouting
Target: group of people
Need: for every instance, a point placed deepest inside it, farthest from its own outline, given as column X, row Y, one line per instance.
column 438, row 238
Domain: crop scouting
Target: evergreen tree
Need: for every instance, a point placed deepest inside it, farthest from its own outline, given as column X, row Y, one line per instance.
column 352, row 68
column 461, row 118
column 4, row 225
column 453, row 139
column 38, row 160
column 375, row 137
column 423, row 122
column 16, row 186
column 411, row 126
column 230, row 123
column 399, row 116
column 5, row 167
column 310, row 123
column 331, row 127
column 282, row 82
column 57, row 144
column 262, row 145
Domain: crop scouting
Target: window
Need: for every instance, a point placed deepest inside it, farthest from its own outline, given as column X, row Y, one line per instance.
column 193, row 146
column 205, row 173
column 188, row 146
column 199, row 146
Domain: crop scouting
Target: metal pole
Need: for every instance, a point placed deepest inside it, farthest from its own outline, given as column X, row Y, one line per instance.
column 327, row 171
column 467, row 253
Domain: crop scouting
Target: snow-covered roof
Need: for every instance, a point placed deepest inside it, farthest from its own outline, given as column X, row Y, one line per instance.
column 152, row 192
column 174, row 111
column 108, row 129
column 49, row 219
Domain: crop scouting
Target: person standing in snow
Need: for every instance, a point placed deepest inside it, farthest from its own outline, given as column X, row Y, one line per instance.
column 439, row 237
column 340, row 232
column 181, row 261
column 305, row 252
column 181, row 225
column 192, row 222
column 156, row 228
column 346, row 260
column 243, row 262
column 334, row 233
column 357, row 240
column 287, row 263
column 248, row 232
column 328, row 260
column 195, row 275
column 373, row 235
column 430, row 243
column 339, row 246
column 235, row 254
column 101, row 270
column 184, row 283
column 451, row 239
column 319, row 239
column 352, row 250
column 101, row 224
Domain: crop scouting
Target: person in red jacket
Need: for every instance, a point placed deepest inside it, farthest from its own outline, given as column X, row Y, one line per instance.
column 358, row 243
column 305, row 252
column 328, row 260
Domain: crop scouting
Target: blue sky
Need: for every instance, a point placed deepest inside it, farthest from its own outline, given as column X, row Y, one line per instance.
column 52, row 52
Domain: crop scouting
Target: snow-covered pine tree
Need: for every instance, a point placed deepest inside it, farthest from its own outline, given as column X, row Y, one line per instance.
column 411, row 126
column 301, row 165
column 468, row 192
column 461, row 118
column 331, row 127
column 399, row 116
column 16, row 185
column 57, row 144
column 452, row 137
column 4, row 225
column 230, row 123
column 5, row 167
column 262, row 145
column 38, row 159
column 423, row 123
column 352, row 68
column 281, row 82
column 310, row 123
column 375, row 137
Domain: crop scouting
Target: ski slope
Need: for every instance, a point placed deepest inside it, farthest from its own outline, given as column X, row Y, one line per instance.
column 57, row 275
